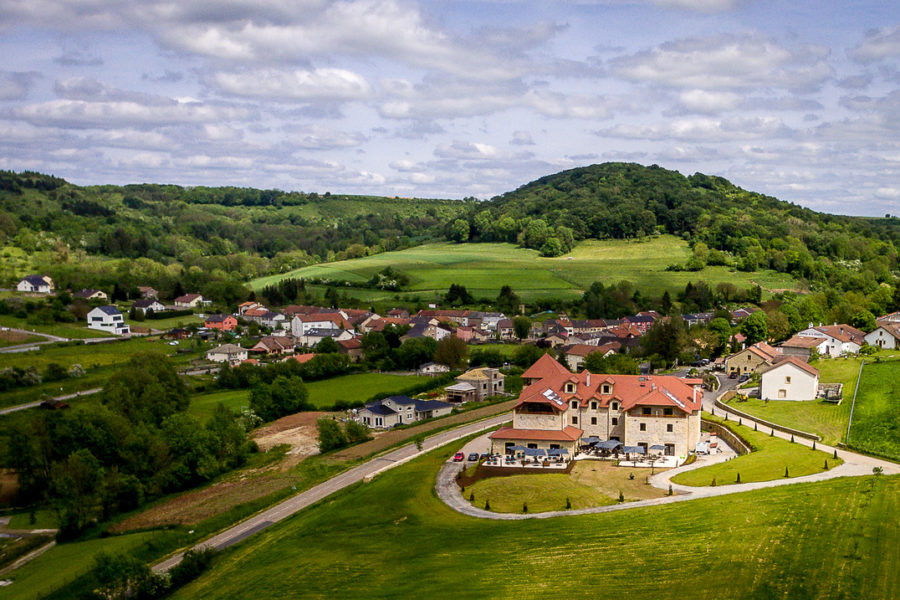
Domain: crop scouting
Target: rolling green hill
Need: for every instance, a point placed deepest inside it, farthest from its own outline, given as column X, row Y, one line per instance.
column 485, row 268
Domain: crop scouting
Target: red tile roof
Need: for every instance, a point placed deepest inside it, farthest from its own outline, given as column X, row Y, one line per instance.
column 302, row 358
column 569, row 434
column 797, row 363
column 545, row 366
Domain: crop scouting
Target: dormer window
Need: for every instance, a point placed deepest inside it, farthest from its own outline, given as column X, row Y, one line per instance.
column 574, row 404
column 570, row 388
column 593, row 406
column 615, row 406
column 607, row 389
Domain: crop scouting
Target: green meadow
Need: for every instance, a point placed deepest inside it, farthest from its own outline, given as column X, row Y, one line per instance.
column 393, row 538
column 771, row 456
column 485, row 268
column 876, row 418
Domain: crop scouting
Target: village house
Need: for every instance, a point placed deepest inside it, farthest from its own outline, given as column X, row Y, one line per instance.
column 351, row 348
column 190, row 301
column 789, row 379
column 476, row 385
column 505, row 330
column 227, row 353
column 559, row 408
column 221, row 322
column 91, row 294
column 423, row 329
column 580, row 326
column 302, row 324
column 35, row 284
column 431, row 369
column 300, row 358
column 147, row 293
column 243, row 307
column 753, row 359
column 108, row 319
column 577, row 353
column 149, row 304
column 802, row 346
column 642, row 323
column 398, row 410
column 886, row 335
column 401, row 313
column 314, row 336
column 842, row 339
column 274, row 345
column 177, row 333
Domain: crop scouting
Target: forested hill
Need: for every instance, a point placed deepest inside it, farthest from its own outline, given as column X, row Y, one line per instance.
column 724, row 223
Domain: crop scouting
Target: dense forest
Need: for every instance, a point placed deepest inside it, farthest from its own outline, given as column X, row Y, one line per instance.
column 725, row 224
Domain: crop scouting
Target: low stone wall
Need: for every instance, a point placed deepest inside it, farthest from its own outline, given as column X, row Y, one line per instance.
column 769, row 424
column 726, row 435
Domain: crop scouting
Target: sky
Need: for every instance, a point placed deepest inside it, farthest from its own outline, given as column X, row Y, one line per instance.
column 453, row 99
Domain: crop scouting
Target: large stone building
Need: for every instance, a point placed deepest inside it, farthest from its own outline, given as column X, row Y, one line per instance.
column 558, row 408
column 754, row 359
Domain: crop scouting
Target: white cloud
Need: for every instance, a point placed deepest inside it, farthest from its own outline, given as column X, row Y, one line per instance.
column 78, row 114
column 467, row 151
column 521, row 138
column 888, row 193
column 292, row 85
column 702, row 101
column 321, row 137
column 727, row 62
column 702, row 129
column 877, row 45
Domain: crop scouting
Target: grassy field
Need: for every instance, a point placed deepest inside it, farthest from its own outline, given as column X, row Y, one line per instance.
column 94, row 355
column 824, row 418
column 590, row 483
column 75, row 331
column 876, row 418
column 63, row 563
column 203, row 405
column 767, row 462
column 801, row 541
column 484, row 268
column 14, row 338
column 357, row 388
column 165, row 324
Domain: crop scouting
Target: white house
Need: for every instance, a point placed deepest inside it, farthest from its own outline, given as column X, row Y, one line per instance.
column 432, row 368
column 886, row 336
column 789, row 379
column 397, row 410
column 301, row 324
column 37, row 284
column 227, row 353
column 191, row 301
column 91, row 294
column 109, row 319
column 842, row 339
column 149, row 304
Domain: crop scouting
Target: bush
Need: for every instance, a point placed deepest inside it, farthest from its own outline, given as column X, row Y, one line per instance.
column 192, row 565
column 331, row 436
column 356, row 432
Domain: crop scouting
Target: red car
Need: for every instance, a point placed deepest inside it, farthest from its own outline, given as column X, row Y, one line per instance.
column 459, row 457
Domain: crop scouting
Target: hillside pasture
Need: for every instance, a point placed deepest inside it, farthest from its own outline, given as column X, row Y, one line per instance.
column 75, row 331
column 806, row 540
column 876, row 417
column 358, row 388
column 484, row 268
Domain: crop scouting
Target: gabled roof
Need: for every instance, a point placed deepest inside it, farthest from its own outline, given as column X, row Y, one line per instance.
column 145, row 303
column 351, row 344
column 843, row 333
column 803, row 341
column 187, row 298
column 35, row 280
column 214, row 318
column 301, row 358
column 378, row 408
column 227, row 349
column 893, row 329
column 85, row 293
column 796, row 362
column 110, row 310
column 545, row 366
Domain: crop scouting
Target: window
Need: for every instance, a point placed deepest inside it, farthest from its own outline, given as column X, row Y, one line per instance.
column 615, row 406
column 606, row 388
column 570, row 388
column 574, row 403
column 670, row 450
column 787, row 380
column 615, row 421
column 670, row 428
column 593, row 420
column 668, row 412
column 645, row 410
column 782, row 394
column 574, row 420
column 593, row 406
column 643, row 427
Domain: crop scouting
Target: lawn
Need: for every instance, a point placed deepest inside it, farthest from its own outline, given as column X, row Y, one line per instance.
column 76, row 331
column 63, row 563
column 876, row 418
column 766, row 463
column 484, row 268
column 590, row 483
column 392, row 538
column 166, row 324
column 203, row 405
column 824, row 418
column 358, row 388
column 94, row 355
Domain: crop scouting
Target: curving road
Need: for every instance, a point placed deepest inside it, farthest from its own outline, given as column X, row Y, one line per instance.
column 297, row 503
column 855, row 465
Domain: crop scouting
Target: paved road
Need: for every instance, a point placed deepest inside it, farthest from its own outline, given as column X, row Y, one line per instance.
column 36, row 403
column 854, row 465
column 297, row 503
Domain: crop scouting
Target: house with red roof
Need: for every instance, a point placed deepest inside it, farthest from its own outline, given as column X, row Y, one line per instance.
column 753, row 359
column 558, row 408
column 577, row 353
column 789, row 379
column 842, row 338
column 220, row 322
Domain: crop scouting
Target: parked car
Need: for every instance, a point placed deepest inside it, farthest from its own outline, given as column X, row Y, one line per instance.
column 743, row 378
column 485, row 455
column 459, row 457
column 732, row 375
column 473, row 457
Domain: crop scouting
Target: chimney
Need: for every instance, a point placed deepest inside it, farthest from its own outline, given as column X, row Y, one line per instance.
column 588, row 382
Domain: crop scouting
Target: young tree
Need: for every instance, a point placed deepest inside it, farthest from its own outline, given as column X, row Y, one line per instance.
column 755, row 327
column 327, row 346
column 522, row 326
column 357, row 432
column 614, row 364
column 331, row 436
column 452, row 351
column 508, row 301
